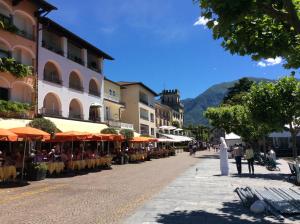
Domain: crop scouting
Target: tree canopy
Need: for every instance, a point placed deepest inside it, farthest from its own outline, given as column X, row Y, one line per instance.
column 109, row 131
column 261, row 29
column 44, row 125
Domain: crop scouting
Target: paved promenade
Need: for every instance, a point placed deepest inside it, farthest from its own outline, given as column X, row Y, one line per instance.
column 200, row 195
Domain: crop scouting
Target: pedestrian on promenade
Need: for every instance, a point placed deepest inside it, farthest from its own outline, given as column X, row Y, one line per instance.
column 249, row 156
column 238, row 153
column 224, row 166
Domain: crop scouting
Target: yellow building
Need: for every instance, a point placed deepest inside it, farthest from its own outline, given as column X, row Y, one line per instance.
column 113, row 106
column 140, row 107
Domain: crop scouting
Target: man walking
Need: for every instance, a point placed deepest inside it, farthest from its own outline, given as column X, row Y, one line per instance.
column 238, row 153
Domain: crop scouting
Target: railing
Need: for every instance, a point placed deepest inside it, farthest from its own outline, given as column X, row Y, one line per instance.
column 94, row 92
column 76, row 116
column 52, row 48
column 144, row 117
column 94, row 67
column 75, row 58
column 52, row 77
column 25, row 34
column 112, row 98
column 76, row 87
column 51, row 112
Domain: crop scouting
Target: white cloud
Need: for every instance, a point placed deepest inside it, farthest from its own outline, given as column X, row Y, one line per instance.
column 202, row 21
column 270, row 62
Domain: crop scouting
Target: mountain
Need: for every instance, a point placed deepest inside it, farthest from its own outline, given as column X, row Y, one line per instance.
column 213, row 96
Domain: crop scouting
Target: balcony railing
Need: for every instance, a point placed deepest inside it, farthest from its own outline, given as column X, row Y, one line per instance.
column 94, row 67
column 94, row 92
column 51, row 112
column 112, row 98
column 25, row 34
column 76, row 116
column 53, row 48
column 76, row 87
column 75, row 58
column 52, row 77
column 144, row 117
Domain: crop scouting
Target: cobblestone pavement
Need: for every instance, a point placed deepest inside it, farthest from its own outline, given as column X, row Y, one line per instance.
column 201, row 195
column 101, row 197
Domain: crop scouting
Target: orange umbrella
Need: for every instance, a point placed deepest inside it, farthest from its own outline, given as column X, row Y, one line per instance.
column 72, row 136
column 143, row 139
column 6, row 135
column 30, row 133
column 108, row 137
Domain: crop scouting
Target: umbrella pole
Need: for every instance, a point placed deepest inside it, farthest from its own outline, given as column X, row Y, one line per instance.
column 23, row 163
column 72, row 150
column 108, row 143
column 82, row 151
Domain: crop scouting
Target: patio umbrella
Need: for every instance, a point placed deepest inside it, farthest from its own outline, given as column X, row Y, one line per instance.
column 29, row 133
column 142, row 139
column 7, row 135
column 73, row 136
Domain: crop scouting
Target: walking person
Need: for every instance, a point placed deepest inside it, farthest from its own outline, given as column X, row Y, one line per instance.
column 249, row 156
column 238, row 153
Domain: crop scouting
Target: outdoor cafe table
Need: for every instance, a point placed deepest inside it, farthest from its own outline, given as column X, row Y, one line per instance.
column 8, row 172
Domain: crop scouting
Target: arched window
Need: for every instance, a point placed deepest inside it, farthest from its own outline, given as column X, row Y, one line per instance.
column 4, row 49
column 51, row 105
column 75, row 81
column 93, row 88
column 75, row 109
column 51, row 73
column 25, row 24
column 21, row 92
column 23, row 56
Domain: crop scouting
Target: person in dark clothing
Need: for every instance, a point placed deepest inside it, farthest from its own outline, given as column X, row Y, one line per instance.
column 238, row 153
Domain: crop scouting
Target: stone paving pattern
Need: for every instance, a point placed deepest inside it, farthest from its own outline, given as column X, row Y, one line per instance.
column 201, row 195
column 101, row 197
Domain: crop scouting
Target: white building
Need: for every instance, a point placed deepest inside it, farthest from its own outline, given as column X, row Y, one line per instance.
column 70, row 75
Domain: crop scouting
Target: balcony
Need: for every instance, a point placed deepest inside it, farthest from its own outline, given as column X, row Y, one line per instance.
column 53, row 48
column 118, row 124
column 25, row 34
column 51, row 112
column 75, row 58
column 93, row 66
column 94, row 92
column 112, row 98
column 76, row 86
column 51, row 77
column 76, row 116
column 146, row 118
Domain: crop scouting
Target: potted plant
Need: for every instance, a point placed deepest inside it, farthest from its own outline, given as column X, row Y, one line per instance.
column 37, row 171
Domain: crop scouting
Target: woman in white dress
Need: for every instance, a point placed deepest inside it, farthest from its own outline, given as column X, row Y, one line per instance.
column 224, row 166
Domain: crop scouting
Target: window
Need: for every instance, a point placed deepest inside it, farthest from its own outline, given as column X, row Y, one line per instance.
column 114, row 93
column 144, row 129
column 143, row 98
column 152, row 117
column 152, row 131
column 144, row 114
column 4, row 94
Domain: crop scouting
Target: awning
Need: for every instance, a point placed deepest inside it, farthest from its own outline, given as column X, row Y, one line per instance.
column 167, row 127
column 232, row 136
column 166, row 140
column 177, row 138
column 81, row 126
column 13, row 123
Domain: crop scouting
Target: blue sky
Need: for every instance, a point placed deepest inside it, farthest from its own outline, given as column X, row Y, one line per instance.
column 156, row 42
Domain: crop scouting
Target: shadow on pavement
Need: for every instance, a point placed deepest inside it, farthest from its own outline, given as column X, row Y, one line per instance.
column 13, row 184
column 269, row 176
column 207, row 157
column 230, row 213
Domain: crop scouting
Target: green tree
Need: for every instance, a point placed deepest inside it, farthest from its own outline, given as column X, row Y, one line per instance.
column 109, row 131
column 44, row 125
column 277, row 105
column 261, row 29
column 238, row 91
column 127, row 133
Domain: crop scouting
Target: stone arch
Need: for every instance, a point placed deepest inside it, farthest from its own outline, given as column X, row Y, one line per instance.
column 75, row 109
column 25, row 23
column 94, row 87
column 4, row 83
column 52, row 105
column 75, row 81
column 23, row 55
column 5, row 9
column 52, row 72
column 21, row 92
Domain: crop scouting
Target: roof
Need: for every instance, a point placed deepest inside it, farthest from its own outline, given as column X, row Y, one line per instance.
column 122, row 83
column 44, row 5
column 105, row 78
column 61, row 31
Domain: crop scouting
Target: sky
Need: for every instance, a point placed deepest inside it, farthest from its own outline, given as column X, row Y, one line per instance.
column 163, row 44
